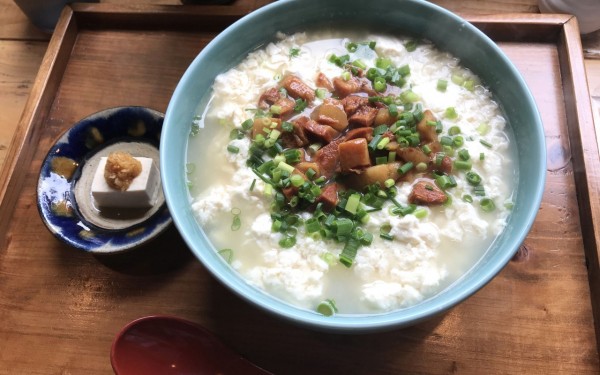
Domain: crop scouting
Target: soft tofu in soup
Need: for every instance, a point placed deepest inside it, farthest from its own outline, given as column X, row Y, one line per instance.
column 351, row 175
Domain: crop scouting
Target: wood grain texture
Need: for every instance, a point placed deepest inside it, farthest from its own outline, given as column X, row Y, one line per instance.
column 585, row 154
column 19, row 63
column 60, row 308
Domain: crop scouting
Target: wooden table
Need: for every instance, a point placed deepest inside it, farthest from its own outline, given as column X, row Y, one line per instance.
column 39, row 340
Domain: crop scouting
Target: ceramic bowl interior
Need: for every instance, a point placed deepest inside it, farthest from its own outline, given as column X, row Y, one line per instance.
column 414, row 18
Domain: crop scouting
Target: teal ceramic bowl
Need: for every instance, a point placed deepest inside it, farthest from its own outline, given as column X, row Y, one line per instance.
column 404, row 17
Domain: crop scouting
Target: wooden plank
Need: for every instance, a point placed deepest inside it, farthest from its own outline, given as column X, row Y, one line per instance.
column 489, row 7
column 14, row 25
column 27, row 132
column 19, row 64
column 585, row 154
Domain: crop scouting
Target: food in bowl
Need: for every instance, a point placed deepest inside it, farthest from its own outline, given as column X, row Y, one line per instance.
column 352, row 174
column 122, row 180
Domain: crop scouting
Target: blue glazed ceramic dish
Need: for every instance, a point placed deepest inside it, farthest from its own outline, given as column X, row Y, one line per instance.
column 418, row 19
column 63, row 195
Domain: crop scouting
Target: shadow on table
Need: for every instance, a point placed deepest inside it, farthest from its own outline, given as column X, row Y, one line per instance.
column 165, row 254
column 283, row 347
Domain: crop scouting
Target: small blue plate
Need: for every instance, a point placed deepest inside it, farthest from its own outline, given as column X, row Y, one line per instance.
column 64, row 196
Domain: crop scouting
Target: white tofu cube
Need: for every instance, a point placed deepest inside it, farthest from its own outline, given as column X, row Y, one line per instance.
column 141, row 193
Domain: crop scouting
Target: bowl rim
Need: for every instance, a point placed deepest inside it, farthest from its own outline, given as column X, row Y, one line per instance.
column 375, row 322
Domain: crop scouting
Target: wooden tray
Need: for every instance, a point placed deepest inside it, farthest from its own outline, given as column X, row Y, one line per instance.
column 60, row 308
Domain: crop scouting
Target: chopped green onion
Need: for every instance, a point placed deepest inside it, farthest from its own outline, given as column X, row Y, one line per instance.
column 481, row 156
column 485, row 143
column 448, row 150
column 380, row 129
column 339, row 60
column 300, row 105
column 359, row 64
column 275, row 109
column 383, row 63
column 442, row 85
column 479, row 191
column 487, row 205
column 451, row 113
column 313, row 148
column 473, row 178
column 233, row 149
column 236, row 134
column 343, row 226
column 446, row 141
column 227, row 254
column 194, row 130
column 439, row 158
column 236, row 223
column 190, row 168
column 252, row 184
column 287, row 127
column 349, row 252
column 381, row 160
column 445, row 182
column 426, row 149
column 287, row 242
column 366, row 239
column 327, row 257
column 467, row 198
column 373, row 73
column 296, row 180
column 411, row 45
column 421, row 167
column 312, row 225
column 292, row 155
column 463, row 165
column 379, row 84
column 409, row 96
column 351, row 46
column 469, row 84
column 464, row 154
column 454, row 130
column 391, row 156
column 420, row 213
column 353, row 203
column 405, row 210
column 404, row 70
column 384, row 142
column 393, row 110
column 483, row 128
column 327, row 307
column 310, row 173
column 320, row 93
column 405, row 168
column 455, row 78
column 386, row 236
column 458, row 141
column 389, row 183
column 346, row 76
column 268, row 191
column 294, row 52
column 509, row 205
column 285, row 167
column 373, row 144
column 274, row 134
column 247, row 125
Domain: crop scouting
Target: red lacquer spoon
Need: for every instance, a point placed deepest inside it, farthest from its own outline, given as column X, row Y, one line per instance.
column 165, row 345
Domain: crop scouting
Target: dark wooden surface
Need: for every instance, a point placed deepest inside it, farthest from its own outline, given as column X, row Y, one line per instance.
column 60, row 308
